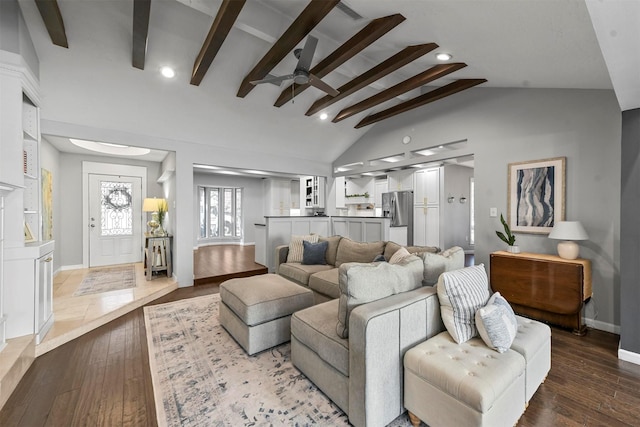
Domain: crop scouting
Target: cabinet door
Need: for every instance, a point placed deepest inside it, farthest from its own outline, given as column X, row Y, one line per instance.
column 340, row 192
column 44, row 295
column 432, row 186
column 419, row 226
column 420, row 191
column 432, row 226
column 381, row 186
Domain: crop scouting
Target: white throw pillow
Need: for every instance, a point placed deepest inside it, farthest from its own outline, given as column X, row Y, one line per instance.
column 399, row 255
column 296, row 250
column 497, row 323
column 461, row 293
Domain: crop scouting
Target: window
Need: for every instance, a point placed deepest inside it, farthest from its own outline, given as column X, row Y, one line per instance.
column 472, row 224
column 220, row 212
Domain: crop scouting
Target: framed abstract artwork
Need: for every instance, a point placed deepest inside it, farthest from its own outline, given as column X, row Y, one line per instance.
column 536, row 195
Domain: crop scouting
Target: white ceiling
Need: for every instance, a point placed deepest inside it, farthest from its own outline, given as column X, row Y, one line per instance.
column 515, row 43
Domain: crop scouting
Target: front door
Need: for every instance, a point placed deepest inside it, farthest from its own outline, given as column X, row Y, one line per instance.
column 115, row 215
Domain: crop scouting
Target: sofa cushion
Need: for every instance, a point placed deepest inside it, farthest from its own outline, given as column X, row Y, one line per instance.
column 314, row 327
column 300, row 273
column 296, row 249
column 391, row 248
column 314, row 253
column 326, row 283
column 436, row 264
column 350, row 251
column 332, row 248
column 461, row 293
column 363, row 283
column 497, row 324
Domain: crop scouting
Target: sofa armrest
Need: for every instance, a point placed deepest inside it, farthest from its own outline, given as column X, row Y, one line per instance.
column 380, row 333
column 282, row 251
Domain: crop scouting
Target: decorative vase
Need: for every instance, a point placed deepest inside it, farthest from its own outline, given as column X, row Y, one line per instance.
column 513, row 249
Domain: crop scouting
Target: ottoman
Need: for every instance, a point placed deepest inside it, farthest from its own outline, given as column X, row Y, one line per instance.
column 469, row 384
column 257, row 310
column 533, row 342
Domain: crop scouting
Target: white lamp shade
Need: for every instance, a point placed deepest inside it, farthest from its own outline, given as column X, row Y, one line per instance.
column 568, row 230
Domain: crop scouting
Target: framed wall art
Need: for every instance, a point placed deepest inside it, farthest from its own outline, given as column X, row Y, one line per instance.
column 536, row 195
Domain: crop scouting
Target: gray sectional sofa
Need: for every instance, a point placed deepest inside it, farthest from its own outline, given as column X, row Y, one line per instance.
column 367, row 315
column 322, row 279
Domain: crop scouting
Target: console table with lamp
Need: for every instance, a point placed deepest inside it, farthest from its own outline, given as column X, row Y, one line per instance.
column 546, row 287
column 157, row 252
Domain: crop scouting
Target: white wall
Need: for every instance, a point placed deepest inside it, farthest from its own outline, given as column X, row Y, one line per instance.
column 513, row 125
column 252, row 197
column 455, row 217
column 69, row 249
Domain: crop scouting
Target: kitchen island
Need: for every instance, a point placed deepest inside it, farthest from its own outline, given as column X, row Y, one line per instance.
column 277, row 230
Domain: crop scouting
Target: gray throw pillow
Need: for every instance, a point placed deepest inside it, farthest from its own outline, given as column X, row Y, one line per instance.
column 497, row 323
column 436, row 264
column 363, row 283
column 313, row 253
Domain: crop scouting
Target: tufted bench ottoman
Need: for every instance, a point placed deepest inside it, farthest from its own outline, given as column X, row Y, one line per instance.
column 257, row 310
column 533, row 342
column 469, row 384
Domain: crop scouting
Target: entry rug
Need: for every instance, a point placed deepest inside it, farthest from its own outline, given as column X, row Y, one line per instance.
column 202, row 377
column 105, row 279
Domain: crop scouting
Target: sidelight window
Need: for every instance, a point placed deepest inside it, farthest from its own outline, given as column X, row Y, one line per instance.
column 220, row 212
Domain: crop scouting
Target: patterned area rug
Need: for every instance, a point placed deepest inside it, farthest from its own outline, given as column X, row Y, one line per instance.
column 202, row 377
column 107, row 279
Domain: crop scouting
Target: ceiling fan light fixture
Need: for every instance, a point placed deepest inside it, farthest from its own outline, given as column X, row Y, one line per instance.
column 167, row 72
column 324, row 116
column 442, row 56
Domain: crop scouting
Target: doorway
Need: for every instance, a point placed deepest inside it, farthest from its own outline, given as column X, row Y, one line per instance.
column 112, row 206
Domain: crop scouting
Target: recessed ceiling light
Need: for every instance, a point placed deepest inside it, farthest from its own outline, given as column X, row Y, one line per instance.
column 106, row 148
column 168, row 72
column 443, row 56
column 324, row 116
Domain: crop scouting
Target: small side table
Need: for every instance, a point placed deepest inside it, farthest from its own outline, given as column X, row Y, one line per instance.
column 157, row 254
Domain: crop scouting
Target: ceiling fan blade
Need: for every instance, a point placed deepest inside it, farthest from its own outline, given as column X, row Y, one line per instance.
column 317, row 83
column 304, row 62
column 276, row 80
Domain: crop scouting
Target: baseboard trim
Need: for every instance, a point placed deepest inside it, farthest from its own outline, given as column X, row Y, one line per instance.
column 72, row 267
column 602, row 326
column 202, row 244
column 628, row 356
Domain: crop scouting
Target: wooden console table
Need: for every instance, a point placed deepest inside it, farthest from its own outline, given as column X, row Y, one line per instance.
column 157, row 254
column 543, row 287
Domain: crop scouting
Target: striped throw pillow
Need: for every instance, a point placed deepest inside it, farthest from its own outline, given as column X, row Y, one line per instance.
column 461, row 293
column 296, row 249
column 497, row 323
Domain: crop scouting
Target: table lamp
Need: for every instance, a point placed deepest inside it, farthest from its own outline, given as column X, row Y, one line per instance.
column 151, row 205
column 568, row 232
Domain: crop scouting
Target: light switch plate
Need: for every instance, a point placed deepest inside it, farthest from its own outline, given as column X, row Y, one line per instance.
column 493, row 212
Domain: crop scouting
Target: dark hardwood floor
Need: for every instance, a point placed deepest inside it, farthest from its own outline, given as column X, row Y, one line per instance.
column 215, row 263
column 103, row 379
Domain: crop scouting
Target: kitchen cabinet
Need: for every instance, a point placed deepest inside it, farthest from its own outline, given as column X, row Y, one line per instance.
column 400, row 180
column 341, row 191
column 361, row 229
column 277, row 196
column 313, row 191
column 381, row 186
column 427, row 187
column 426, row 226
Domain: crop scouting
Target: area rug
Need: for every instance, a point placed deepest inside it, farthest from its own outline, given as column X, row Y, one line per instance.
column 107, row 279
column 202, row 377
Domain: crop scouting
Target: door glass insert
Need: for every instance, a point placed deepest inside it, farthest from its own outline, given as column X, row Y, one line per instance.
column 116, row 208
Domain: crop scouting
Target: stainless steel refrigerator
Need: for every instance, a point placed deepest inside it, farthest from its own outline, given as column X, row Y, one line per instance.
column 398, row 205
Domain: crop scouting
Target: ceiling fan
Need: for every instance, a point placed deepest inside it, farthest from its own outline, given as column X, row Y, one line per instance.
column 301, row 74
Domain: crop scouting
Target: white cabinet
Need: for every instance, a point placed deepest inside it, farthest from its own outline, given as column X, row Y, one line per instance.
column 381, row 186
column 313, row 191
column 426, row 226
column 426, row 215
column 29, row 289
column 427, row 187
column 277, row 196
column 365, row 229
column 400, row 180
column 341, row 191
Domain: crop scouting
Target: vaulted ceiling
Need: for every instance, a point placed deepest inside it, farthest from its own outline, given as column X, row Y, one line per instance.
column 382, row 61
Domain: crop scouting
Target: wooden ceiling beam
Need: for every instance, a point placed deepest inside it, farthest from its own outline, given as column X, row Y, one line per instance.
column 52, row 17
column 372, row 32
column 315, row 11
column 141, row 13
column 222, row 24
column 434, row 95
column 414, row 82
column 400, row 59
